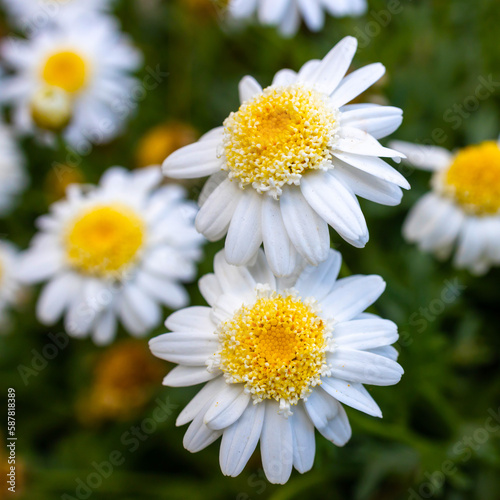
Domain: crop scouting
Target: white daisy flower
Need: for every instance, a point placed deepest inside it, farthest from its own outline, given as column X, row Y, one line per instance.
column 291, row 161
column 287, row 14
column 279, row 356
column 72, row 78
column 116, row 251
column 13, row 177
column 463, row 208
column 34, row 15
column 10, row 287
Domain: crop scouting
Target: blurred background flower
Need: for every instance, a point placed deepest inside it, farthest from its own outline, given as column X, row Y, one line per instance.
column 124, row 380
column 439, row 437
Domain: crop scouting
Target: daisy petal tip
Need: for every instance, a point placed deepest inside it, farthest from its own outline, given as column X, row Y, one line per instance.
column 350, row 42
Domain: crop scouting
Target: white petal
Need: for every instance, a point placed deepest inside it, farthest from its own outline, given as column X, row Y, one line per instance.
column 304, row 444
column 337, row 205
column 378, row 121
column 338, row 430
column 308, row 69
column 313, row 14
column 227, row 407
column 201, row 400
column 245, row 231
column 131, row 321
column 249, row 87
column 240, row 440
column 210, row 288
column 235, row 280
column 105, row 328
column 185, row 376
column 199, row 436
column 56, row 296
column 279, row 250
column 284, row 77
column 190, row 349
column 471, row 245
column 79, row 318
column 351, row 296
column 36, row 266
column 191, row 319
column 290, row 23
column 364, row 334
column 440, row 231
column 164, row 290
column 424, row 157
column 210, row 186
column 351, row 394
column 321, row 407
column 196, row 160
column 216, row 213
column 420, row 215
column 364, row 367
column 307, row 230
column 368, row 186
column 261, row 272
column 333, row 67
column 356, row 83
column 276, row 445
column 144, row 307
column 272, row 12
column 318, row 281
column 386, row 351
column 356, row 142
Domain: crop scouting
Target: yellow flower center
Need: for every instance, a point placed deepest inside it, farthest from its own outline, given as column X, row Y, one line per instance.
column 277, row 348
column 66, row 70
column 277, row 136
column 105, row 241
column 474, row 178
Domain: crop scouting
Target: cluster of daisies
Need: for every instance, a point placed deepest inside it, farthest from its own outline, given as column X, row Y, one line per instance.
column 284, row 343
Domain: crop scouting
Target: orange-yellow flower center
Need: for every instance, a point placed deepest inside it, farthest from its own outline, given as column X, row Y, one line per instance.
column 277, row 136
column 473, row 179
column 105, row 241
column 66, row 70
column 277, row 348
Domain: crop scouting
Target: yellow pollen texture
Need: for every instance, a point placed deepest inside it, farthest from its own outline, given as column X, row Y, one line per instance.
column 474, row 178
column 277, row 348
column 105, row 240
column 275, row 137
column 66, row 70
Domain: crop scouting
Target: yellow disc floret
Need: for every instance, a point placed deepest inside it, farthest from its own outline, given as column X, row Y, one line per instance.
column 473, row 179
column 105, row 241
column 277, row 347
column 66, row 70
column 277, row 136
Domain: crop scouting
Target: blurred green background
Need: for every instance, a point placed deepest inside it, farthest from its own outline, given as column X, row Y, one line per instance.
column 435, row 439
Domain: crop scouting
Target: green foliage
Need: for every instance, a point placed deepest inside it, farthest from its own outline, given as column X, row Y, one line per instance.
column 435, row 52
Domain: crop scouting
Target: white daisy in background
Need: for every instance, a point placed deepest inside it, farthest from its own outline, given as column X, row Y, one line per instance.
column 279, row 357
column 116, row 251
column 10, row 289
column 13, row 178
column 74, row 78
column 291, row 161
column 463, row 208
column 287, row 14
column 34, row 15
